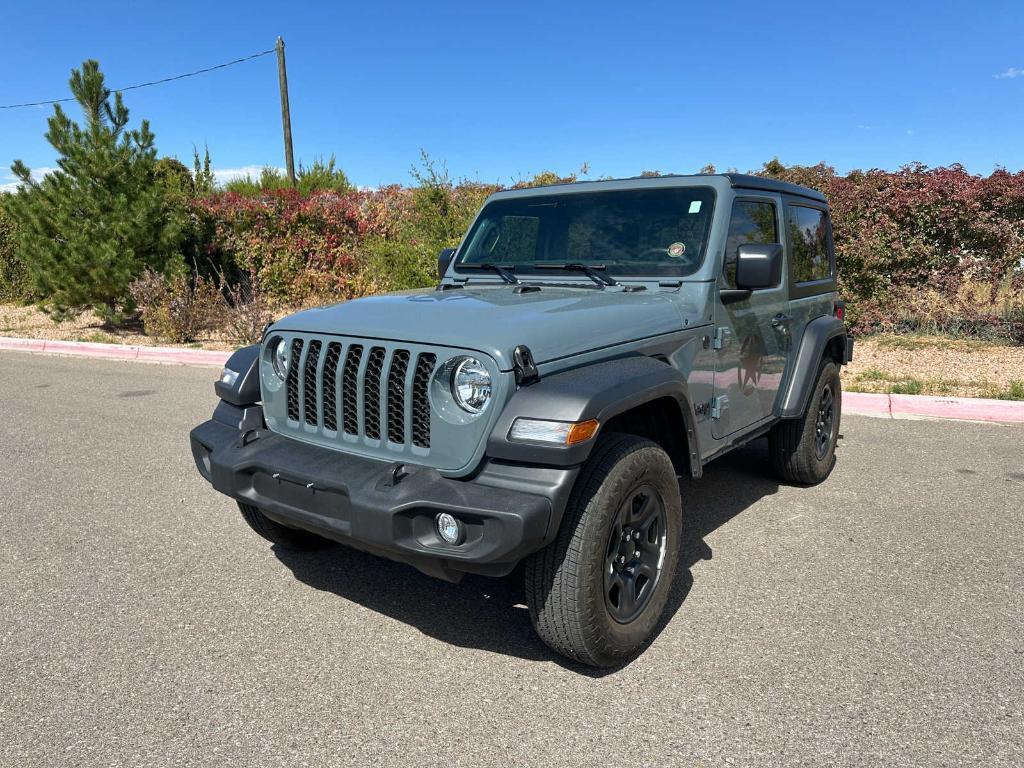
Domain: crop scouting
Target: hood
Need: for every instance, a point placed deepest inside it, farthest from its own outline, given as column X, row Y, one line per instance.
column 553, row 322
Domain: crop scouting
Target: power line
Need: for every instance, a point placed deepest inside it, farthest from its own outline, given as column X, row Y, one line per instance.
column 146, row 85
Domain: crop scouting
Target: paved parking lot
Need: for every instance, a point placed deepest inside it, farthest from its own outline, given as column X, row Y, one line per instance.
column 877, row 619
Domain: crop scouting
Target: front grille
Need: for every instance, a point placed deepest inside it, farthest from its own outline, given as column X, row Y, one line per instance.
column 375, row 393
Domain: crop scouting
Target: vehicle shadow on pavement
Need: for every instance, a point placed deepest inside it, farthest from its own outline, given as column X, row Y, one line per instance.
column 490, row 614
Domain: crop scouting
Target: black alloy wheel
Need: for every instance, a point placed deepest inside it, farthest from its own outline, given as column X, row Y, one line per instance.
column 635, row 554
column 825, row 424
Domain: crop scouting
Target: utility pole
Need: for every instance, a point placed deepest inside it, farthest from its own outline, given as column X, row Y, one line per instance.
column 286, row 116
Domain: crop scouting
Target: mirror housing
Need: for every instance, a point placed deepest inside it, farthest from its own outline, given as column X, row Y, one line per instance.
column 444, row 259
column 758, row 266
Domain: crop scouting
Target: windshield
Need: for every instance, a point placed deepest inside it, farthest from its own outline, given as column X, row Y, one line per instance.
column 629, row 232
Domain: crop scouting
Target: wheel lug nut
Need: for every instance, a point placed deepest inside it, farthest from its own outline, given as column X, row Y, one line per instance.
column 621, row 559
column 636, row 555
column 636, row 535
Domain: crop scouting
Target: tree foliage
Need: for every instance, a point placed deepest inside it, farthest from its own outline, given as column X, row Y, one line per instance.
column 89, row 228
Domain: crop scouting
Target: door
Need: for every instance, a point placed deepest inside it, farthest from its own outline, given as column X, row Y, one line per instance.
column 751, row 336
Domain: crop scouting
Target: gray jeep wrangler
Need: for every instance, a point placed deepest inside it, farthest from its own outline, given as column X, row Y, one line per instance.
column 586, row 345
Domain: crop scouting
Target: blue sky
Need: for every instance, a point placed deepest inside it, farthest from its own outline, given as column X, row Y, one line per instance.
column 500, row 91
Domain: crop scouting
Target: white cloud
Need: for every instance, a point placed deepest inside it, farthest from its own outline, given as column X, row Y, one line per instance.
column 10, row 183
column 1010, row 73
column 224, row 175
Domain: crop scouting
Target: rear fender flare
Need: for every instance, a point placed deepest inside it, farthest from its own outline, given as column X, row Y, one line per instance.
column 813, row 343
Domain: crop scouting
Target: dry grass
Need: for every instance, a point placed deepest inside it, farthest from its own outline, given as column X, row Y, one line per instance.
column 30, row 323
column 936, row 365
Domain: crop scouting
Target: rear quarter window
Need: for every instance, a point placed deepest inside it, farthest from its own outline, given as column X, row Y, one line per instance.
column 810, row 244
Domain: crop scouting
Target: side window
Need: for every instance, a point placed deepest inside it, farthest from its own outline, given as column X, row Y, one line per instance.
column 808, row 236
column 751, row 222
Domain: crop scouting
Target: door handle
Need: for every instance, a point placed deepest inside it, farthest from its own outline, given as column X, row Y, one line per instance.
column 780, row 320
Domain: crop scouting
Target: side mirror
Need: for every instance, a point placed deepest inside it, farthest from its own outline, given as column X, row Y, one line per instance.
column 444, row 259
column 758, row 265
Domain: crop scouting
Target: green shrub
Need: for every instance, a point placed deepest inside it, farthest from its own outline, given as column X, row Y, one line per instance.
column 15, row 282
column 178, row 307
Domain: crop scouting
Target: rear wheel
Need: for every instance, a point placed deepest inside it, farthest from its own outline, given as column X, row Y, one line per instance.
column 597, row 592
column 804, row 450
column 272, row 531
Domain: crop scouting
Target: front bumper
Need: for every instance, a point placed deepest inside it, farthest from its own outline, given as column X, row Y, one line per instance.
column 510, row 510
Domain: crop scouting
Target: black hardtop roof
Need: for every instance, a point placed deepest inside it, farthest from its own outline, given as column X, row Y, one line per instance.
column 739, row 181
column 746, row 181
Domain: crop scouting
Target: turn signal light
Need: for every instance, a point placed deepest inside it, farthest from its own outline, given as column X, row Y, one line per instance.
column 554, row 432
column 581, row 431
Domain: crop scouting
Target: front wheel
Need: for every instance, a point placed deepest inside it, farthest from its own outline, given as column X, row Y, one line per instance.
column 596, row 593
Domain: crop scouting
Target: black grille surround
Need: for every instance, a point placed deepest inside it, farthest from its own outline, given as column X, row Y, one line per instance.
column 359, row 393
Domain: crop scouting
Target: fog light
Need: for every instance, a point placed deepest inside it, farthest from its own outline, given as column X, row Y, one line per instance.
column 449, row 528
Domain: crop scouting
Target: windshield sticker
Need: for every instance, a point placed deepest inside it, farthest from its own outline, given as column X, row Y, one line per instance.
column 695, row 206
column 676, row 250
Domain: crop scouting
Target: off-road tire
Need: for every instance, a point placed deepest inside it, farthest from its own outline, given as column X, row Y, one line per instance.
column 792, row 444
column 282, row 535
column 565, row 582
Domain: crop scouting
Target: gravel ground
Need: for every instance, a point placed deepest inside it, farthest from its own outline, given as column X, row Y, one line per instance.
column 876, row 619
column 938, row 365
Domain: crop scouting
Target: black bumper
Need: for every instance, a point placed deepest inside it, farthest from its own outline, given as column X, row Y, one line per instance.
column 509, row 510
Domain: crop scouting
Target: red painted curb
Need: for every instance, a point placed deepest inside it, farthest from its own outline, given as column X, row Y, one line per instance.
column 931, row 407
column 866, row 404
column 129, row 352
column 974, row 409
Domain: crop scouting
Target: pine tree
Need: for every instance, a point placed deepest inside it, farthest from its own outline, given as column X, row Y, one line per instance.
column 92, row 226
column 202, row 174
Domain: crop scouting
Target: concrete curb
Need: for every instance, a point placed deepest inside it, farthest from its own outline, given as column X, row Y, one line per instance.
column 854, row 403
column 127, row 352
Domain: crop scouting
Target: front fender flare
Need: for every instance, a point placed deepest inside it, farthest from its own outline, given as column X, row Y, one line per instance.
column 599, row 391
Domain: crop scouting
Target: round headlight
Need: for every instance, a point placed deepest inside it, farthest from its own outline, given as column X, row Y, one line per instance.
column 471, row 384
column 279, row 358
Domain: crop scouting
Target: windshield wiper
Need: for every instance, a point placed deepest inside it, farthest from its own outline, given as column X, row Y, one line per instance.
column 504, row 272
column 590, row 270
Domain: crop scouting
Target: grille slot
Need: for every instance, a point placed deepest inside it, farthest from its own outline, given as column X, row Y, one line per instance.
column 293, row 380
column 420, row 400
column 371, row 393
column 309, row 383
column 350, row 390
column 396, row 395
column 330, row 386
column 357, row 392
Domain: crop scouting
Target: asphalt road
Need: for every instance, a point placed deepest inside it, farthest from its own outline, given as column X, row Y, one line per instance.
column 877, row 619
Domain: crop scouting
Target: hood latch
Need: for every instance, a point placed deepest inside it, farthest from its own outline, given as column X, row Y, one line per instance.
column 524, row 366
